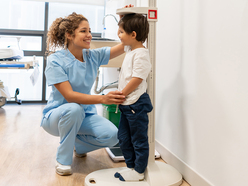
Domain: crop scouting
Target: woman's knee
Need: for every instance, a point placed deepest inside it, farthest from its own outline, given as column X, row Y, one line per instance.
column 106, row 133
column 72, row 110
column 72, row 114
column 112, row 136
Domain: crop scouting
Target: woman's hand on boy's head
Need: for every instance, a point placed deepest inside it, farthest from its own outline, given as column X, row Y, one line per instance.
column 127, row 6
column 130, row 5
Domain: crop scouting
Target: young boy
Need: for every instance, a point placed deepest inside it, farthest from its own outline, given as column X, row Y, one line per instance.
column 132, row 134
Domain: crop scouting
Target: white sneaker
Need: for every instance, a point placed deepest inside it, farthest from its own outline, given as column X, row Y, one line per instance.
column 131, row 175
column 117, row 174
column 63, row 170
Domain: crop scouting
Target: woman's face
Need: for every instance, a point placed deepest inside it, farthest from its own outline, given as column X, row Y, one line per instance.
column 82, row 36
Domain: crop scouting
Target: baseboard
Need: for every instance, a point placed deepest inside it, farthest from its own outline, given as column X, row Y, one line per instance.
column 191, row 176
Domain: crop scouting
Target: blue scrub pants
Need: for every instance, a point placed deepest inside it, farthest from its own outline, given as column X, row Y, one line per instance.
column 132, row 133
column 87, row 132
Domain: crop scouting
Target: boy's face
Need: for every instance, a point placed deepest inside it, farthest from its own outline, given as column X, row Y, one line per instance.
column 125, row 38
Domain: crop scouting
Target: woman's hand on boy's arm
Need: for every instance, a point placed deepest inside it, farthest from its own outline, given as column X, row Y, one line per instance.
column 132, row 85
column 113, row 97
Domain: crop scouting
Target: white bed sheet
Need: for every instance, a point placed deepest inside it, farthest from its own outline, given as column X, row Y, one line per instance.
column 11, row 53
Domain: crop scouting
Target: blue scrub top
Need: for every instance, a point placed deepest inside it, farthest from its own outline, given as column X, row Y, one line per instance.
column 63, row 66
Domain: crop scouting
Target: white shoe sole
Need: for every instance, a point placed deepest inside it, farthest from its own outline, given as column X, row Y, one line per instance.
column 63, row 170
column 63, row 173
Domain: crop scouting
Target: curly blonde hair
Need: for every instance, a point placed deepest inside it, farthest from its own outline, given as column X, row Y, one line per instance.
column 56, row 36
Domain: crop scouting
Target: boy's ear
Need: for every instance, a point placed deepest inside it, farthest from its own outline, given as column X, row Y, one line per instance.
column 134, row 34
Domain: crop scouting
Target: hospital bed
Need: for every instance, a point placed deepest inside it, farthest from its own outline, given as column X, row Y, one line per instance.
column 9, row 59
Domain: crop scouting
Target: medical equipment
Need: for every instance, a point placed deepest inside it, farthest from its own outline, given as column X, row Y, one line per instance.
column 6, row 64
column 9, row 59
column 2, row 101
column 4, row 94
column 9, row 54
column 18, row 101
column 117, row 156
column 157, row 173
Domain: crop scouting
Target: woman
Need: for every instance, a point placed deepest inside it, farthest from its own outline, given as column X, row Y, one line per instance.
column 71, row 72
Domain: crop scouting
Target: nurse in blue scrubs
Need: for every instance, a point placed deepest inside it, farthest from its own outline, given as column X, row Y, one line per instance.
column 71, row 71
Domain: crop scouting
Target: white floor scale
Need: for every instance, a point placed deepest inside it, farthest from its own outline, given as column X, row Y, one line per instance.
column 116, row 155
column 157, row 173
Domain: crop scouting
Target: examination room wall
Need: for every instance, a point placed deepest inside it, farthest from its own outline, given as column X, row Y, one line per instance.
column 201, row 90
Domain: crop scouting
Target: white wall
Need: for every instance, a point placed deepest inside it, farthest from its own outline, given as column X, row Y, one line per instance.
column 202, row 90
